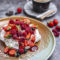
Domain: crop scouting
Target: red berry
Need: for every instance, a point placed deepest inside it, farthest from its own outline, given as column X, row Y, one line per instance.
column 28, row 29
column 55, row 21
column 21, row 23
column 32, row 32
column 21, row 47
column 54, row 30
column 15, row 36
column 6, row 50
column 58, row 28
column 17, row 22
column 34, row 48
column 17, row 19
column 20, row 33
column 12, row 52
column 24, row 33
column 23, row 27
column 19, row 10
column 56, row 34
column 21, row 51
column 11, row 21
column 13, row 31
column 22, row 39
column 51, row 24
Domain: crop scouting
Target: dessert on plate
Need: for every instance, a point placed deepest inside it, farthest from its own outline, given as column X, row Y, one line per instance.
column 20, row 36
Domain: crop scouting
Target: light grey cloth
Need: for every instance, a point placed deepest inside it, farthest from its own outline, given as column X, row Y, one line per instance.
column 13, row 4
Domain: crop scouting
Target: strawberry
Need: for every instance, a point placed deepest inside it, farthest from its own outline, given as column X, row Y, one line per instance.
column 55, row 21
column 12, row 52
column 25, row 43
column 7, row 28
column 30, row 43
column 51, row 24
column 33, row 38
column 19, row 10
column 7, row 35
column 26, row 20
column 28, row 36
column 57, row 28
column 6, row 50
column 34, row 26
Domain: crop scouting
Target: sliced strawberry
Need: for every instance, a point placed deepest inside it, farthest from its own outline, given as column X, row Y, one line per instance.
column 34, row 26
column 26, row 20
column 7, row 35
column 33, row 38
column 12, row 52
column 6, row 50
column 25, row 43
column 28, row 36
column 7, row 28
column 31, row 44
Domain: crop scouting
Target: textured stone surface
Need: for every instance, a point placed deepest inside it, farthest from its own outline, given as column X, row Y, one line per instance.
column 6, row 5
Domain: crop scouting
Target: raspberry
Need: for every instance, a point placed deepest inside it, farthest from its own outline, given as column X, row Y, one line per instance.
column 24, row 33
column 17, row 19
column 11, row 21
column 27, row 24
column 22, row 39
column 58, row 28
column 19, row 10
column 17, row 22
column 56, row 34
column 20, row 33
column 28, row 29
column 54, row 30
column 32, row 32
column 23, row 27
column 21, row 51
column 13, row 31
column 15, row 36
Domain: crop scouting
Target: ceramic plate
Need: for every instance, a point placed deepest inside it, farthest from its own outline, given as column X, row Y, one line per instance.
column 46, row 45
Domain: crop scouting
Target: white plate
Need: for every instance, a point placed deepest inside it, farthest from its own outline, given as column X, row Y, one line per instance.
column 28, row 9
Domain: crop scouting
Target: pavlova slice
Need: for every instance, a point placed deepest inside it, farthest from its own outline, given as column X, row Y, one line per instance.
column 19, row 36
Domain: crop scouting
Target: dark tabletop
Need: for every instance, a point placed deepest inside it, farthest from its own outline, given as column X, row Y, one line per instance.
column 13, row 4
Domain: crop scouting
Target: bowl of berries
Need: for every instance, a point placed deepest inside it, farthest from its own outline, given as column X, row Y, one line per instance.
column 25, row 38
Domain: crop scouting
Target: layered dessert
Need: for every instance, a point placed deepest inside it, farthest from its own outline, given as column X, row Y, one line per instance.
column 20, row 36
